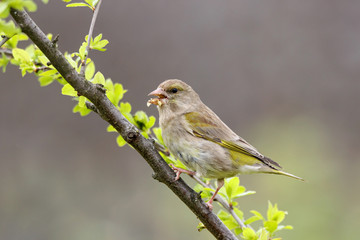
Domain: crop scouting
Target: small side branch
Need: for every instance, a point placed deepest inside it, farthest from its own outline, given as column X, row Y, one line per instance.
column 4, row 40
column 6, row 51
column 91, row 29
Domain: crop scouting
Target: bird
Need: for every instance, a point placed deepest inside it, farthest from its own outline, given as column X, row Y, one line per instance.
column 196, row 136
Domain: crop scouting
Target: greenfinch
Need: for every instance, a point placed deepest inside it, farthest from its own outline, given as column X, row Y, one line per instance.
column 196, row 136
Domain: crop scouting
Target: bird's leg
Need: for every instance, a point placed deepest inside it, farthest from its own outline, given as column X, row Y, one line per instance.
column 220, row 183
column 179, row 171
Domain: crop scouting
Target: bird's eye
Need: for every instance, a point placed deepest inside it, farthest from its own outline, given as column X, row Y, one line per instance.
column 174, row 90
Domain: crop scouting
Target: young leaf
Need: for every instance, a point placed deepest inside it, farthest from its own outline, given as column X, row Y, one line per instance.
column 82, row 101
column 271, row 226
column 45, row 80
column 125, row 107
column 264, row 235
column 120, row 141
column 78, row 5
column 90, row 70
column 21, row 55
column 67, row 89
column 110, row 128
column 82, row 110
column 249, row 234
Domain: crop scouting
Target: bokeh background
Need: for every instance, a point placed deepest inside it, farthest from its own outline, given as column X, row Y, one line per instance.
column 282, row 74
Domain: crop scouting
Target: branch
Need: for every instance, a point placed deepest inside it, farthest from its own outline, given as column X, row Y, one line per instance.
column 162, row 172
column 6, row 51
column 5, row 38
column 92, row 25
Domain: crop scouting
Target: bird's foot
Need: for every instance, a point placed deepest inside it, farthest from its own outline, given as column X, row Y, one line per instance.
column 179, row 171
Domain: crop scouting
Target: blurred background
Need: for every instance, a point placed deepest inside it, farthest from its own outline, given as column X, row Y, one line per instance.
column 282, row 74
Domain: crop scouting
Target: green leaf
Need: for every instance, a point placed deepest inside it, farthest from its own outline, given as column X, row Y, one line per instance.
column 120, row 141
column 29, row 5
column 4, row 9
column 157, row 132
column 78, row 5
column 119, row 93
column 98, row 44
column 70, row 60
column 151, row 122
column 279, row 216
column 110, row 128
column 271, row 226
column 90, row 70
column 43, row 60
column 92, row 2
column 82, row 110
column 141, row 119
column 45, row 80
column 249, row 234
column 8, row 28
column 231, row 185
column 200, row 227
column 13, row 41
column 264, row 235
column 49, row 72
column 21, row 55
column 244, row 194
column 252, row 219
column 256, row 213
column 67, row 89
column 82, row 101
column 281, row 227
column 125, row 107
column 99, row 78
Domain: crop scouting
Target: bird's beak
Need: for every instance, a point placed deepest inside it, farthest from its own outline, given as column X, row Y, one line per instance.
column 161, row 94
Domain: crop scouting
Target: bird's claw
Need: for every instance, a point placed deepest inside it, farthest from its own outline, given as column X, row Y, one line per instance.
column 179, row 171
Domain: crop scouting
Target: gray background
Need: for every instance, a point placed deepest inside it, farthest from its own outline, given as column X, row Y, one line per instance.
column 282, row 74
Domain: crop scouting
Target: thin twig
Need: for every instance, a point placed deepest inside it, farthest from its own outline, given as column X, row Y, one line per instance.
column 6, row 51
column 223, row 202
column 5, row 38
column 87, row 49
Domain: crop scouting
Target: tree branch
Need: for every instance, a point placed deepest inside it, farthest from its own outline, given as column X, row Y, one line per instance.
column 162, row 172
column 6, row 51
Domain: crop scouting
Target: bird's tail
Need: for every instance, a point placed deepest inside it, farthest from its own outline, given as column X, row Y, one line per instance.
column 285, row 174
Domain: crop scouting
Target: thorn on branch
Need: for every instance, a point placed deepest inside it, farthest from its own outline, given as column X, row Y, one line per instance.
column 156, row 176
column 100, row 87
column 54, row 41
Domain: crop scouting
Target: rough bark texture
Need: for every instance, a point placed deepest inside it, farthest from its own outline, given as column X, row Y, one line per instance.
column 129, row 132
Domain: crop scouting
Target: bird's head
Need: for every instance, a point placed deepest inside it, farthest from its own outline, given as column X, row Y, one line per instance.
column 173, row 95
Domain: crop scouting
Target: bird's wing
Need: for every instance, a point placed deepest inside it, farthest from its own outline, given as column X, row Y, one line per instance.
column 208, row 125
